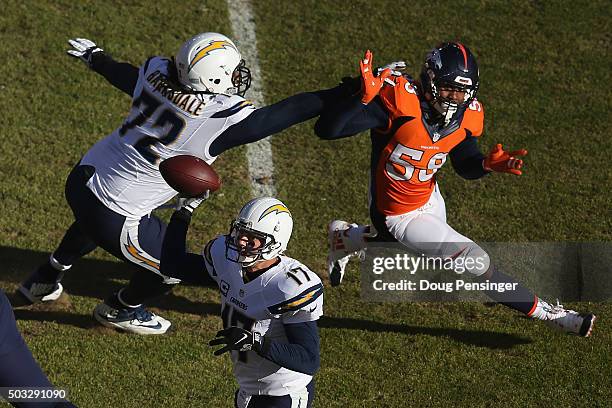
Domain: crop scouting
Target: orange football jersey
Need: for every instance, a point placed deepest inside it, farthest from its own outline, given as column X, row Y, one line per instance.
column 405, row 174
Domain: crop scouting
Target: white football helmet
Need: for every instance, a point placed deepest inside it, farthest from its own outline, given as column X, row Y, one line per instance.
column 265, row 218
column 211, row 63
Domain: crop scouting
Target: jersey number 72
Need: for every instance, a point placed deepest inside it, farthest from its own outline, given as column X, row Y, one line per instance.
column 148, row 105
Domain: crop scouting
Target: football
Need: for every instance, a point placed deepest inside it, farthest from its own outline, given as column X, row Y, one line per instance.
column 189, row 175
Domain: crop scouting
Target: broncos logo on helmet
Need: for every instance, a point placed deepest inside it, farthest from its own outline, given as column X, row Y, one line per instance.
column 450, row 65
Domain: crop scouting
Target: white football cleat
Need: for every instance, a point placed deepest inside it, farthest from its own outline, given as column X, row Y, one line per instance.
column 134, row 320
column 340, row 250
column 35, row 291
column 43, row 285
column 569, row 321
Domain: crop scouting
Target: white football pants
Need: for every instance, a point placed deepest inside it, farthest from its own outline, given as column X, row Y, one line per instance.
column 425, row 231
column 298, row 399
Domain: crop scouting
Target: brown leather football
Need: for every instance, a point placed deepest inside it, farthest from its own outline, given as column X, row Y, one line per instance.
column 189, row 175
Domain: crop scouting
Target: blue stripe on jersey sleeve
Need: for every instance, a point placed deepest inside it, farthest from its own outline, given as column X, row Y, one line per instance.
column 231, row 111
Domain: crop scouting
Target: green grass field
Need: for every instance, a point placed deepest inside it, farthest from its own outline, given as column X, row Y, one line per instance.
column 545, row 84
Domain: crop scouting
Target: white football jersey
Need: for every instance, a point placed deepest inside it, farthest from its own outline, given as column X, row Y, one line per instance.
column 288, row 292
column 162, row 123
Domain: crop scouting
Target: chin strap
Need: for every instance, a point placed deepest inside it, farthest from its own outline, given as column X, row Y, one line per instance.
column 446, row 110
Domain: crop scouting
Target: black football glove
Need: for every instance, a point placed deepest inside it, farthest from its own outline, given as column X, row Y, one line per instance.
column 84, row 50
column 236, row 338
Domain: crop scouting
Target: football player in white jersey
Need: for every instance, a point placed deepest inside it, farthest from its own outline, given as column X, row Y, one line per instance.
column 269, row 302
column 189, row 105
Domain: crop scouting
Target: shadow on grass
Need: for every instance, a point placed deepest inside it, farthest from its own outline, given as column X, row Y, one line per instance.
column 92, row 278
column 82, row 321
column 96, row 278
column 61, row 317
column 479, row 338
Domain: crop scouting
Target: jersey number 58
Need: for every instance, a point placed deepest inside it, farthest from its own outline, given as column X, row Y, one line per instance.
column 400, row 169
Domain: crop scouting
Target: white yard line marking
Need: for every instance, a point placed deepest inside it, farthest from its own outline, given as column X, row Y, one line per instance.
column 259, row 154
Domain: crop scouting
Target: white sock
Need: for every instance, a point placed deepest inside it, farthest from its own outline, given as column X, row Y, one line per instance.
column 124, row 303
column 541, row 310
column 58, row 266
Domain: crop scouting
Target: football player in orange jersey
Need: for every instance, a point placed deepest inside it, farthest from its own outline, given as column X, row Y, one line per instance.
column 415, row 125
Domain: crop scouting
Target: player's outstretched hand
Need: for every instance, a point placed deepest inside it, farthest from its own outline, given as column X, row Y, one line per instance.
column 236, row 338
column 504, row 162
column 83, row 49
column 371, row 84
column 192, row 203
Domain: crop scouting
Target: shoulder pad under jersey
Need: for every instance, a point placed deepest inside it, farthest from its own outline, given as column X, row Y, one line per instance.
column 153, row 64
column 299, row 286
column 401, row 98
column 213, row 249
column 230, row 105
column 473, row 118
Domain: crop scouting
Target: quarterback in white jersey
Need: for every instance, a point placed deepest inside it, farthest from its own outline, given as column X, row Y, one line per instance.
column 191, row 104
column 269, row 302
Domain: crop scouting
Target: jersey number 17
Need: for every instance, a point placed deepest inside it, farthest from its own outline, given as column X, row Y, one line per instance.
column 232, row 317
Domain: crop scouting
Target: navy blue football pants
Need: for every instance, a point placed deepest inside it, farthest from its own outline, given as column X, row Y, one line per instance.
column 18, row 368
column 96, row 225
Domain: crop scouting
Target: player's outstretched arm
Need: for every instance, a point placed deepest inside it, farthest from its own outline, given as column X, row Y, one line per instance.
column 349, row 117
column 121, row 75
column 501, row 161
column 175, row 261
column 277, row 117
column 298, row 108
column 362, row 111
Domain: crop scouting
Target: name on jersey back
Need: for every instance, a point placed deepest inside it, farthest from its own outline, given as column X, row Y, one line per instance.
column 187, row 102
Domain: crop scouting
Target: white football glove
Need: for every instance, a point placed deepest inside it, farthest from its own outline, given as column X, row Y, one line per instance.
column 396, row 68
column 83, row 49
column 191, row 204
